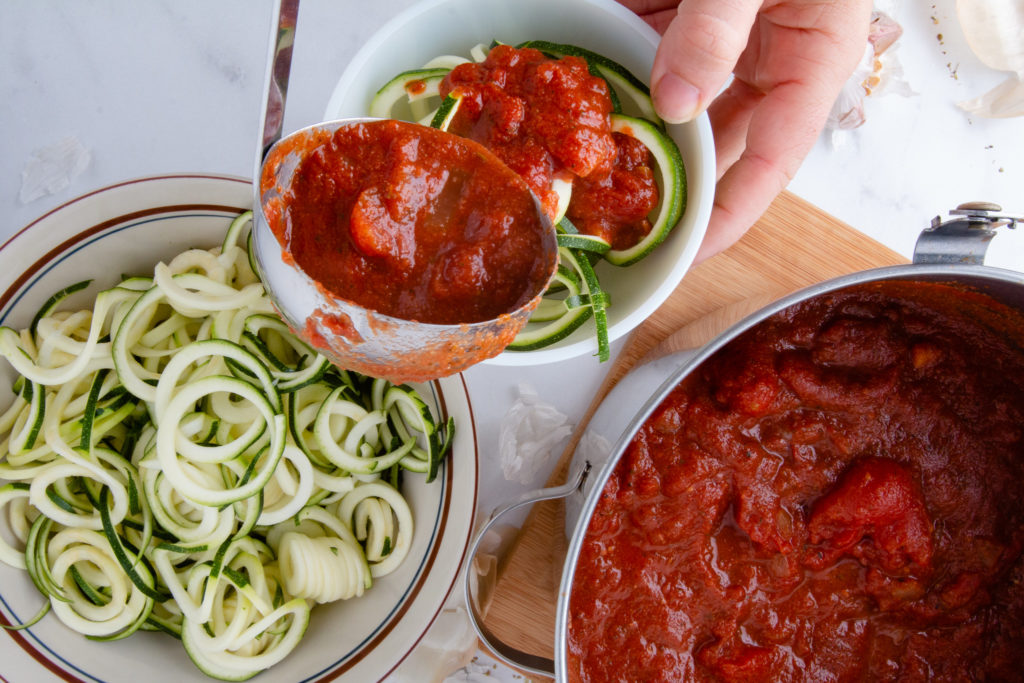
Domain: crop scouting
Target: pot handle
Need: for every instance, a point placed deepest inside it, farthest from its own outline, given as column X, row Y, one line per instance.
column 524, row 661
column 963, row 239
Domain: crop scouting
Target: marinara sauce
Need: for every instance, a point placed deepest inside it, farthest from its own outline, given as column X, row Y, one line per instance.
column 414, row 223
column 550, row 118
column 837, row 495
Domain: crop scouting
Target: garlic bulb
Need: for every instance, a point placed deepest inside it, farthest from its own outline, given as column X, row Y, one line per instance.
column 995, row 32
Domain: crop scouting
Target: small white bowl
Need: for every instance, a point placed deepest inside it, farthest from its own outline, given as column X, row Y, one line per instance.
column 128, row 228
column 440, row 27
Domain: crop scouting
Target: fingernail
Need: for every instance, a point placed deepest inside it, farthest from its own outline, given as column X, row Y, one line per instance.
column 676, row 100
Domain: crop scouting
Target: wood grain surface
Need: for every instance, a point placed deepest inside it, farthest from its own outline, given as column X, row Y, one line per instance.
column 794, row 245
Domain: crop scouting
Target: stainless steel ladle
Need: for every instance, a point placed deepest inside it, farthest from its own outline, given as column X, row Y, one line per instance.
column 354, row 337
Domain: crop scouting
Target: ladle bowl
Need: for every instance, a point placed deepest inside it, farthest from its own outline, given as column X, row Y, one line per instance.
column 353, row 336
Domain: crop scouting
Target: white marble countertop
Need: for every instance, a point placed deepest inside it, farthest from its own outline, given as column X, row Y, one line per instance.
column 166, row 86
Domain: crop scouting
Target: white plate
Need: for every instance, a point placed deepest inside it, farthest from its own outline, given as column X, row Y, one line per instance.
column 127, row 228
column 437, row 27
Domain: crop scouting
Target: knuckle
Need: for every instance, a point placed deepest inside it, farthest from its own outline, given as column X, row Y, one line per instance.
column 715, row 38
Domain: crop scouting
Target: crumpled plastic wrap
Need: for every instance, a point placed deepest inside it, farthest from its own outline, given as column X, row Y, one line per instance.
column 449, row 645
column 531, row 435
column 447, row 651
column 878, row 71
column 531, row 432
column 994, row 29
column 52, row 169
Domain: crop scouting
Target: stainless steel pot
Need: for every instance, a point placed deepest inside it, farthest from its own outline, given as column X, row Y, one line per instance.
column 950, row 251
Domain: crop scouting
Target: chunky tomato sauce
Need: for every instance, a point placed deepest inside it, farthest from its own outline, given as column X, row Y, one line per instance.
column 416, row 224
column 550, row 118
column 837, row 495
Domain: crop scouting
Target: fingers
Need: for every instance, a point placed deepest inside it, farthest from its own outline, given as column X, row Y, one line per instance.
column 657, row 13
column 741, row 197
column 730, row 116
column 697, row 54
column 762, row 135
column 643, row 7
column 782, row 126
column 660, row 20
column 769, row 118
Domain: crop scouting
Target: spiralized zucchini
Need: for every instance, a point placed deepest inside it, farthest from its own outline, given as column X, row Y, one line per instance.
column 177, row 460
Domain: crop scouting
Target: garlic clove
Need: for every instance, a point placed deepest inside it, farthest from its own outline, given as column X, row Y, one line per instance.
column 995, row 32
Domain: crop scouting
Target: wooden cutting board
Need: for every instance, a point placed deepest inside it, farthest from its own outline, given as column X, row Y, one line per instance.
column 794, row 245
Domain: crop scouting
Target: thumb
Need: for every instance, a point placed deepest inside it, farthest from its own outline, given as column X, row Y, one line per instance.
column 698, row 53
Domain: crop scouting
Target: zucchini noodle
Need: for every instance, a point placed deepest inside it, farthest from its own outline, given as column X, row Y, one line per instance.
column 177, row 460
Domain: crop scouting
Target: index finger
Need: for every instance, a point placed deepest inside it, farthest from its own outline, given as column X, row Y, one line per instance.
column 697, row 54
column 783, row 124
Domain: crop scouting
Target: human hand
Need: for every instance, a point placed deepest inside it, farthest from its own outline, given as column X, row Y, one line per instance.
column 789, row 59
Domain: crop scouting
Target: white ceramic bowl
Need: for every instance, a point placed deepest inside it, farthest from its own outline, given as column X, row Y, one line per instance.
column 128, row 228
column 438, row 27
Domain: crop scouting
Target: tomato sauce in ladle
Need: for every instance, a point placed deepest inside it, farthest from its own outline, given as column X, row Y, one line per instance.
column 397, row 250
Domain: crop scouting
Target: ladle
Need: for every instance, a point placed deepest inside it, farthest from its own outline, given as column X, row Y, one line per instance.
column 350, row 335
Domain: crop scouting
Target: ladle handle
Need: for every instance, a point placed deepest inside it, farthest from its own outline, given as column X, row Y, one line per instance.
column 535, row 664
column 279, row 64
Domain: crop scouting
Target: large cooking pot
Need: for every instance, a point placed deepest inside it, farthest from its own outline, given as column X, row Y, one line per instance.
column 950, row 251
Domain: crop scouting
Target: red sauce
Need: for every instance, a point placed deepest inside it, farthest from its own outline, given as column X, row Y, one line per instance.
column 615, row 205
column 414, row 223
column 836, row 495
column 550, row 118
column 415, row 87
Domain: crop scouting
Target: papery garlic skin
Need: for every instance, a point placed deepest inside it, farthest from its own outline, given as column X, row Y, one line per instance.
column 994, row 30
column 848, row 109
column 1004, row 101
